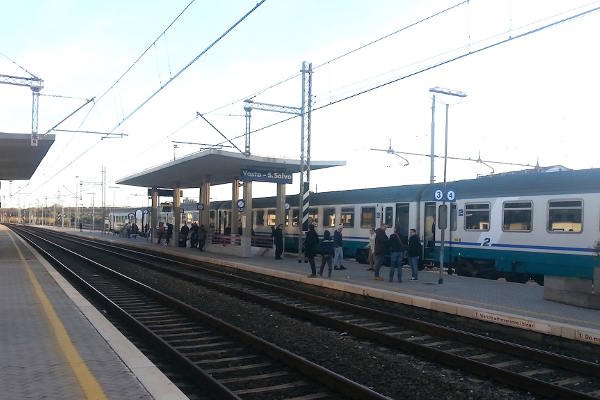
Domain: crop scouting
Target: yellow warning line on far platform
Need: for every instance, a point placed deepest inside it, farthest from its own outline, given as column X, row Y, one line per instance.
column 90, row 386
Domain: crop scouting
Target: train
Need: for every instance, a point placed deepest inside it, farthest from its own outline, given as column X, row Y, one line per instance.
column 519, row 225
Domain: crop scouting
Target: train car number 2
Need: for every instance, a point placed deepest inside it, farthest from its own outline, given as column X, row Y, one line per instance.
column 486, row 241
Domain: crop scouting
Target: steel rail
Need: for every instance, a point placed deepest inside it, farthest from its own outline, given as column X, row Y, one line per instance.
column 511, row 378
column 336, row 382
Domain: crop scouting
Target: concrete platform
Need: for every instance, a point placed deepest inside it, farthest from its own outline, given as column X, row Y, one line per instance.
column 513, row 304
column 56, row 345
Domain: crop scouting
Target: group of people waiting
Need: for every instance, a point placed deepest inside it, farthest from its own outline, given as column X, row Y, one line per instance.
column 196, row 234
column 381, row 246
column 330, row 249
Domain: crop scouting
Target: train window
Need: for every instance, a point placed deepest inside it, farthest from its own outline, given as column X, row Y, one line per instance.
column 211, row 222
column 313, row 216
column 565, row 216
column 260, row 217
column 295, row 217
column 329, row 217
column 271, row 217
column 389, row 217
column 477, row 216
column 453, row 223
column 517, row 216
column 347, row 217
column 367, row 217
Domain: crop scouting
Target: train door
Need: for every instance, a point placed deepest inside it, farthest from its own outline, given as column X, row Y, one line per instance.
column 429, row 225
column 402, row 220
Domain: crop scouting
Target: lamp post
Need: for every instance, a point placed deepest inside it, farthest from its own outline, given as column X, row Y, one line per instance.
column 443, row 207
column 93, row 210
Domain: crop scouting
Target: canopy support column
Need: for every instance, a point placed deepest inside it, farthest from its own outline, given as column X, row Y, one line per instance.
column 235, row 195
column 154, row 216
column 247, row 221
column 176, row 214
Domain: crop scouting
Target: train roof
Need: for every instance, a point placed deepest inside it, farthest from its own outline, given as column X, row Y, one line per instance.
column 526, row 183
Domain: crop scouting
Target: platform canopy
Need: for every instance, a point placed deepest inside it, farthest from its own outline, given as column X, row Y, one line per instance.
column 18, row 159
column 215, row 166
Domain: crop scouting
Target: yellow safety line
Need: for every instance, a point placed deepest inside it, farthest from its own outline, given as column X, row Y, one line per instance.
column 90, row 386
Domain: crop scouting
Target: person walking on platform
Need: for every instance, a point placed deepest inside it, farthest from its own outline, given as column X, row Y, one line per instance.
column 311, row 248
column 395, row 255
column 338, row 258
column 381, row 249
column 169, row 232
column 161, row 231
column 201, row 237
column 371, row 250
column 278, row 239
column 183, row 235
column 414, row 252
column 327, row 252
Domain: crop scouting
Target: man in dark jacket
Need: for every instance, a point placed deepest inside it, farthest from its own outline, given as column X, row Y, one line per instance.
column 194, row 235
column 183, row 235
column 414, row 252
column 278, row 239
column 326, row 252
column 201, row 237
column 311, row 248
column 169, row 232
column 381, row 249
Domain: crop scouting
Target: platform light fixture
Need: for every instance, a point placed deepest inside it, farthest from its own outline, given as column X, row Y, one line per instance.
column 443, row 208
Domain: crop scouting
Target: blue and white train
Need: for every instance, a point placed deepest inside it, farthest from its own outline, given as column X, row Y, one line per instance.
column 520, row 225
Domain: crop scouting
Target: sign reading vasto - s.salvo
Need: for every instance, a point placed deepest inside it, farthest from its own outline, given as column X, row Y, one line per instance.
column 262, row 175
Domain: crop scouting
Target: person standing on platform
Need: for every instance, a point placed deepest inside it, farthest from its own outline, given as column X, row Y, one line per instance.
column 327, row 252
column 371, row 250
column 338, row 258
column 395, row 255
column 201, row 237
column 381, row 249
column 311, row 248
column 194, row 235
column 161, row 231
column 414, row 252
column 183, row 235
column 278, row 239
column 80, row 227
column 169, row 232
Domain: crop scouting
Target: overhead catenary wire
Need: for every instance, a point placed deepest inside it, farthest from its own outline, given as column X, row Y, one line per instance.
column 338, row 57
column 432, row 66
column 210, row 46
column 258, row 4
column 18, row 65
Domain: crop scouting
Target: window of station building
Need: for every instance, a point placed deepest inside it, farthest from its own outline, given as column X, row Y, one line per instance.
column 453, row 217
column 389, row 217
column 477, row 216
column 313, row 216
column 271, row 217
column 517, row 216
column 329, row 217
column 295, row 217
column 260, row 217
column 565, row 216
column 367, row 217
column 347, row 217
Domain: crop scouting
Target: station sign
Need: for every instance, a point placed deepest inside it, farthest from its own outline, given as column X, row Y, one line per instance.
column 262, row 175
column 439, row 195
column 199, row 206
column 164, row 192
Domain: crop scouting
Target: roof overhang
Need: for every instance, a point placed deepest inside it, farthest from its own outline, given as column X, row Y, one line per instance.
column 18, row 159
column 214, row 166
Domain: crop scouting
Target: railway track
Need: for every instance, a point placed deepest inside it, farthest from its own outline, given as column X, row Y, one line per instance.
column 537, row 371
column 224, row 361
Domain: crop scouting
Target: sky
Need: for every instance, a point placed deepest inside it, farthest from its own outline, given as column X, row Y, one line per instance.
column 533, row 99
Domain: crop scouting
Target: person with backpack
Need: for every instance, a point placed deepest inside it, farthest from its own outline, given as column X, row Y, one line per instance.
column 327, row 252
column 395, row 244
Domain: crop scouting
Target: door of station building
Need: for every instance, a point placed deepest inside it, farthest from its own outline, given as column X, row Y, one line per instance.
column 429, row 225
